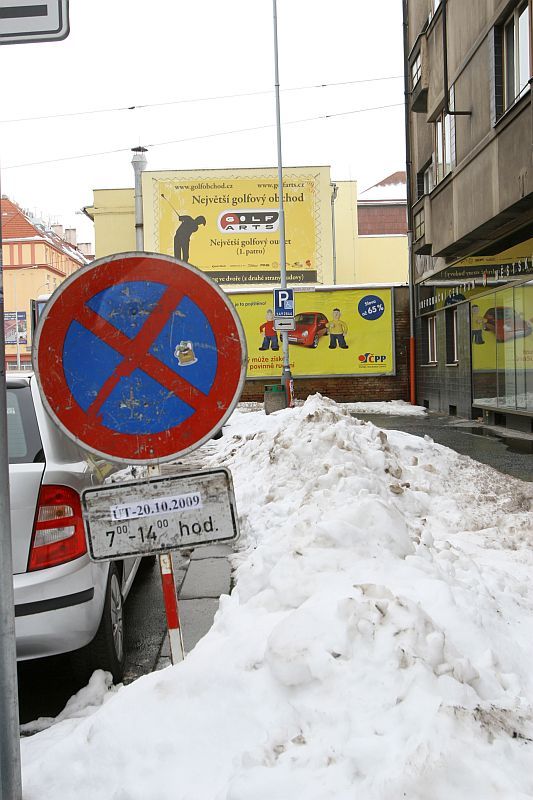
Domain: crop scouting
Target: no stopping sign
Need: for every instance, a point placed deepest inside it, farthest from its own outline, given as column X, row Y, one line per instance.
column 139, row 357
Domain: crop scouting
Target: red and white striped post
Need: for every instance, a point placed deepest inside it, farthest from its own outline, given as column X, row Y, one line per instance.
column 177, row 653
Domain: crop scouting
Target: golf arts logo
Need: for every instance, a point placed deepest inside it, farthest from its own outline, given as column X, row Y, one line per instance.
column 254, row 221
column 372, row 358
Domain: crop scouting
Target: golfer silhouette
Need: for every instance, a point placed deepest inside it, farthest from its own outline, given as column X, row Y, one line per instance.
column 182, row 237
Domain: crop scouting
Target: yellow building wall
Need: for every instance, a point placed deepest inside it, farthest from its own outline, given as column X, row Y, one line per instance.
column 366, row 259
column 30, row 270
column 382, row 259
column 21, row 286
column 345, row 216
column 113, row 213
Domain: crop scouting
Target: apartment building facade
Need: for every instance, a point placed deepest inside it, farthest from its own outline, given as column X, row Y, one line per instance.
column 36, row 259
column 469, row 130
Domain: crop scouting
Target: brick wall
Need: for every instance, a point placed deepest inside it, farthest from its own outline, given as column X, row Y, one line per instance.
column 382, row 220
column 369, row 388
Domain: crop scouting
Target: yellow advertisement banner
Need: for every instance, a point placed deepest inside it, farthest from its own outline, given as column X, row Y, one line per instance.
column 226, row 223
column 514, row 253
column 338, row 332
column 502, row 330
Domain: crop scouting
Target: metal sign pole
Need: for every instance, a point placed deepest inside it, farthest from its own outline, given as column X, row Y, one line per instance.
column 10, row 773
column 19, row 23
column 166, row 567
column 177, row 652
column 286, row 377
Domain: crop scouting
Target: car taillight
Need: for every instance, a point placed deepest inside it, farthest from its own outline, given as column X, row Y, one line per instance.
column 58, row 531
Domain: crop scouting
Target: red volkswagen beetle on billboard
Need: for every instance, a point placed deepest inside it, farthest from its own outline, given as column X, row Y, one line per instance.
column 310, row 326
column 505, row 323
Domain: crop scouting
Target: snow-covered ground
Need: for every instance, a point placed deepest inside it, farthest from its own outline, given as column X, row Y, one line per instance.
column 378, row 644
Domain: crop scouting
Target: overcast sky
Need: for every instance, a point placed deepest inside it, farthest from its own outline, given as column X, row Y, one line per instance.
column 123, row 53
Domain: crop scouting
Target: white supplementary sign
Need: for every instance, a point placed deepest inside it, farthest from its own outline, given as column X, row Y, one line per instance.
column 152, row 508
column 41, row 21
column 160, row 514
column 287, row 324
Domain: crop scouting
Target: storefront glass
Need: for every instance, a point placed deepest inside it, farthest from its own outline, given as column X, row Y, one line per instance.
column 502, row 348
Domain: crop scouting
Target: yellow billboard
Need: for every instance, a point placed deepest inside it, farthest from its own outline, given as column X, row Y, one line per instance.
column 338, row 332
column 227, row 222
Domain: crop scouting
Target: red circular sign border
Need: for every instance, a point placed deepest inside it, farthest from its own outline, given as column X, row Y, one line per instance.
column 66, row 304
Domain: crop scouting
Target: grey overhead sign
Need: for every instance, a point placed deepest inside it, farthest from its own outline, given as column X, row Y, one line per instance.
column 22, row 21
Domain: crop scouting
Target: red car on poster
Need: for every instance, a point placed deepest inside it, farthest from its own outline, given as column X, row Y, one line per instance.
column 309, row 328
column 505, row 323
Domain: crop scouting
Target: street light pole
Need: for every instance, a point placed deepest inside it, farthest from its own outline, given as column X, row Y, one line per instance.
column 286, row 373
column 16, row 319
column 138, row 163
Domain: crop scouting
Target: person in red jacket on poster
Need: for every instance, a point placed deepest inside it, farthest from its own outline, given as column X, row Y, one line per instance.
column 270, row 336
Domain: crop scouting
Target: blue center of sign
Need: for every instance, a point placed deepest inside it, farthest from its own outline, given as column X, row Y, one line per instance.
column 138, row 402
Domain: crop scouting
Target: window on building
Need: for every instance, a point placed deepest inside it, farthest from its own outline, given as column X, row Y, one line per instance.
column 434, row 4
column 428, row 179
column 424, row 181
column 451, row 336
column 516, row 67
column 431, row 338
column 416, row 71
column 420, row 185
column 420, row 224
column 445, row 141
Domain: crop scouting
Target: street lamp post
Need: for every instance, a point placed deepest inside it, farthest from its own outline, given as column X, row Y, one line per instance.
column 17, row 342
column 286, row 372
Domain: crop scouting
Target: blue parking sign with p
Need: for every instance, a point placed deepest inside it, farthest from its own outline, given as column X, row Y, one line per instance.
column 284, row 302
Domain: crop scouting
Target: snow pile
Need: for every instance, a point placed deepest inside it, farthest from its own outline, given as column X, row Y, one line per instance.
column 84, row 703
column 378, row 643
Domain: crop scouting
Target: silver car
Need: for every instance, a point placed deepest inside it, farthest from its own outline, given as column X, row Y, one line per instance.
column 64, row 603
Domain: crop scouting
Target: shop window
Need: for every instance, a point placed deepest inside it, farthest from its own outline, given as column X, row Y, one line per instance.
column 444, row 142
column 515, row 62
column 452, row 356
column 523, row 306
column 502, row 348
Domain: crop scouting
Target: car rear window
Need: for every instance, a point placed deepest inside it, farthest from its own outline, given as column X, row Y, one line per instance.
column 23, row 440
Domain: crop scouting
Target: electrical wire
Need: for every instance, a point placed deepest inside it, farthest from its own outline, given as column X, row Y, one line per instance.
column 190, row 100
column 196, row 138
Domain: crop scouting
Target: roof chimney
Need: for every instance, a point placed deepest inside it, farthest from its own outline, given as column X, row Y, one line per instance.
column 70, row 236
column 58, row 230
column 87, row 248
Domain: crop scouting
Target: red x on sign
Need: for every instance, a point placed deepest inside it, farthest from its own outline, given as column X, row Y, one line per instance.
column 140, row 358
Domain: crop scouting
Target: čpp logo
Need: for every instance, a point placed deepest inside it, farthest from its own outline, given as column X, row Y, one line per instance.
column 371, row 358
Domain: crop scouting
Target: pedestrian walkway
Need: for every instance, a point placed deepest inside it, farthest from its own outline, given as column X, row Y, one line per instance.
column 510, row 452
column 208, row 575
